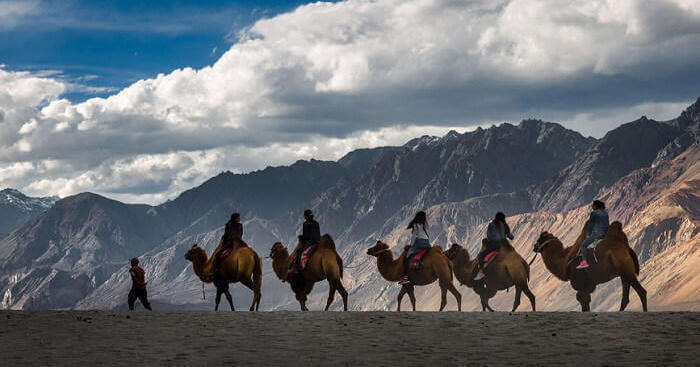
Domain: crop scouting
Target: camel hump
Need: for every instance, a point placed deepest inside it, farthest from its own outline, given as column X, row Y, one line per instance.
column 327, row 242
column 616, row 234
column 506, row 246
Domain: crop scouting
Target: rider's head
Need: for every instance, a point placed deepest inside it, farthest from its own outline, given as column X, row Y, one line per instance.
column 134, row 261
column 597, row 204
column 500, row 217
column 235, row 217
column 308, row 214
column 420, row 218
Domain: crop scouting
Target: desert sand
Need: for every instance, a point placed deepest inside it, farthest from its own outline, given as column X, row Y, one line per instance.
column 116, row 338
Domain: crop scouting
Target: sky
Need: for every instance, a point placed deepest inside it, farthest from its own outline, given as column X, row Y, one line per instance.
column 140, row 100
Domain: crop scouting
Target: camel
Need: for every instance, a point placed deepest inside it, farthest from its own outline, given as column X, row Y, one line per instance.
column 242, row 265
column 615, row 258
column 325, row 263
column 434, row 266
column 508, row 269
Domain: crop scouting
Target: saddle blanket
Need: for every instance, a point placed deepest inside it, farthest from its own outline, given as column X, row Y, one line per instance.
column 591, row 247
column 306, row 256
column 419, row 255
column 489, row 257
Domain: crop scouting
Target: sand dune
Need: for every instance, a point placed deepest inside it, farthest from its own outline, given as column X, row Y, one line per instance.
column 112, row 338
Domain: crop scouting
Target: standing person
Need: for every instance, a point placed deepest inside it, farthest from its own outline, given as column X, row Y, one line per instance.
column 497, row 231
column 310, row 236
column 233, row 234
column 419, row 240
column 597, row 228
column 138, row 286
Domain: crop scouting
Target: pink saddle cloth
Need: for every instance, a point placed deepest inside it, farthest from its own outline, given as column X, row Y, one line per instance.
column 490, row 256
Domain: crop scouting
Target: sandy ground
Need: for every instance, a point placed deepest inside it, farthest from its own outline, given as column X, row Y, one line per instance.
column 115, row 338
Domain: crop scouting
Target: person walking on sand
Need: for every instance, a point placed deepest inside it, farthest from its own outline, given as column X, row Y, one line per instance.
column 419, row 240
column 597, row 228
column 138, row 286
column 496, row 232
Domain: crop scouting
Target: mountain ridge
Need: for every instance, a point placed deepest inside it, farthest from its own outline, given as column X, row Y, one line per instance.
column 530, row 170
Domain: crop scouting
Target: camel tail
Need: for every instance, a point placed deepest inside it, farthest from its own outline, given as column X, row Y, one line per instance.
column 527, row 268
column 635, row 259
column 340, row 264
column 257, row 270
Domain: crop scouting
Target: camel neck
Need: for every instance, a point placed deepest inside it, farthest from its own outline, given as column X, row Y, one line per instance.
column 389, row 268
column 201, row 268
column 464, row 268
column 554, row 259
column 280, row 265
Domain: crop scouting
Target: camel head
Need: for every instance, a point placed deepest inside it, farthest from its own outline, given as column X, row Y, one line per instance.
column 278, row 251
column 377, row 248
column 545, row 239
column 196, row 253
column 454, row 251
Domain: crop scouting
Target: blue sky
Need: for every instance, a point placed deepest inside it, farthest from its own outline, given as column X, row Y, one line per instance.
column 142, row 100
column 111, row 44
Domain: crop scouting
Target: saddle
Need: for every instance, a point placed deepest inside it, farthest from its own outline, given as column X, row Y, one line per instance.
column 306, row 256
column 225, row 253
column 488, row 259
column 592, row 256
column 415, row 260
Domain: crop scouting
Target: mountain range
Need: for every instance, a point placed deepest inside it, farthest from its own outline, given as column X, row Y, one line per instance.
column 73, row 253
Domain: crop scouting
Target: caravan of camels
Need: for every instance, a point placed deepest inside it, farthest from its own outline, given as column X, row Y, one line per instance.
column 601, row 253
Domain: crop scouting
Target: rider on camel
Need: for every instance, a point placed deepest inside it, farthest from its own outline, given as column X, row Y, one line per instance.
column 419, row 240
column 233, row 234
column 497, row 231
column 597, row 228
column 310, row 236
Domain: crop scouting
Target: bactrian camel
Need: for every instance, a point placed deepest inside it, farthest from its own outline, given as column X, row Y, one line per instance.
column 241, row 265
column 325, row 263
column 611, row 258
column 507, row 270
column 434, row 266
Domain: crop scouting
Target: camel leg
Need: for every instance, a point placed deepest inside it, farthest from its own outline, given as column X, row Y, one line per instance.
column 411, row 296
column 516, row 302
column 343, row 293
column 455, row 292
column 402, row 291
column 585, row 300
column 625, row 294
column 530, row 296
column 256, row 293
column 302, row 301
column 218, row 299
column 641, row 292
column 443, row 297
column 331, row 295
column 229, row 299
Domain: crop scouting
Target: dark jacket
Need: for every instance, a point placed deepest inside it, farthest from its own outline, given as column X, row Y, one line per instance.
column 497, row 232
column 311, row 233
column 598, row 223
column 138, row 277
column 233, row 232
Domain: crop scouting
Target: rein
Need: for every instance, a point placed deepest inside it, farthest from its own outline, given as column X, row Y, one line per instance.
column 367, row 259
column 540, row 247
column 533, row 259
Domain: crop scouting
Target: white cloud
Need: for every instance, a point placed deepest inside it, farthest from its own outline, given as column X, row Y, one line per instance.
column 12, row 11
column 330, row 77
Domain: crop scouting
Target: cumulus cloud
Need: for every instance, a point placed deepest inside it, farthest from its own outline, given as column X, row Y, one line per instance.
column 329, row 77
